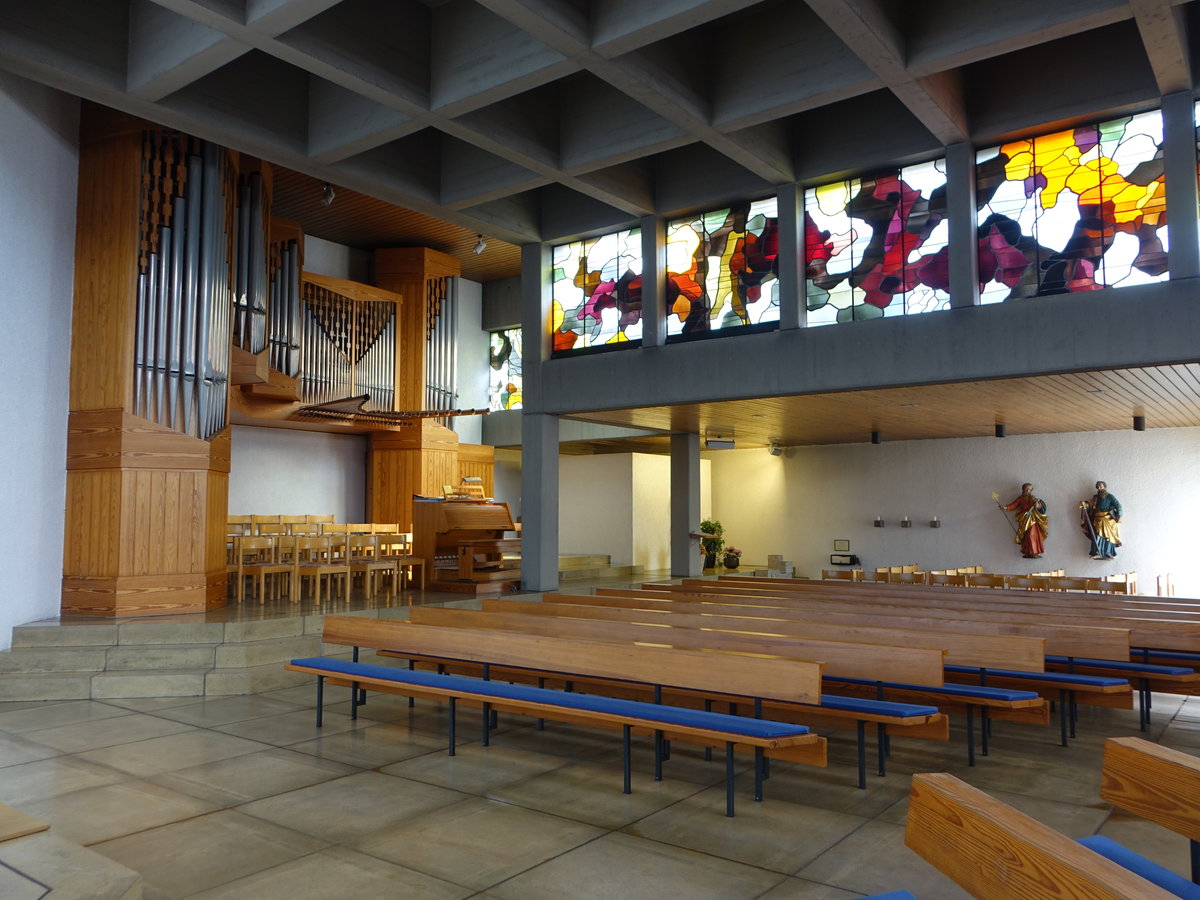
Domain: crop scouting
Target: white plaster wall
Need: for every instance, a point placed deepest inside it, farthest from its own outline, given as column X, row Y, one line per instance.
column 472, row 361
column 39, row 170
column 323, row 257
column 651, row 511
column 279, row 470
column 595, row 506
column 799, row 503
column 507, row 474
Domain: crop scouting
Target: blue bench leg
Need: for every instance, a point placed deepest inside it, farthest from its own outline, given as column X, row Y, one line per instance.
column 1144, row 704
column 450, row 729
column 758, row 774
column 1063, row 713
column 729, row 779
column 881, row 747
column 1074, row 711
column 758, row 715
column 320, row 700
column 985, row 727
column 1195, row 849
column 658, row 755
column 861, row 728
column 353, row 700
column 970, row 735
column 708, row 750
column 412, row 701
column 541, row 723
column 625, row 750
column 487, row 724
column 359, row 696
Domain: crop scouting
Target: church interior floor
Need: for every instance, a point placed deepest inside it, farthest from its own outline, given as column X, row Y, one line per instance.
column 243, row 797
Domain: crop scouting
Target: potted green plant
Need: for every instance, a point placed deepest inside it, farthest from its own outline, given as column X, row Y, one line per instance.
column 712, row 546
column 733, row 557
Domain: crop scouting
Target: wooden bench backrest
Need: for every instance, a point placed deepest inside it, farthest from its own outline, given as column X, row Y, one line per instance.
column 1154, row 782
column 1071, row 639
column 780, row 679
column 998, row 853
column 967, row 647
column 841, row 657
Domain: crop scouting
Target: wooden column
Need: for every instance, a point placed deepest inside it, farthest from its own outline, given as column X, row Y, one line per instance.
column 407, row 271
column 416, row 460
column 146, row 505
column 420, row 459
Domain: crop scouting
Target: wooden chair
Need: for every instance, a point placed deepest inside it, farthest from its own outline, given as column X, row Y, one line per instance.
column 1028, row 582
column 321, row 557
column 908, row 577
column 948, row 579
column 395, row 547
column 271, row 523
column 365, row 561
column 257, row 558
column 317, row 520
column 980, row 579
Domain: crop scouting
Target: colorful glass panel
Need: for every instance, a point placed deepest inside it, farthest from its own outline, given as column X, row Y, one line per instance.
column 504, row 370
column 877, row 246
column 597, row 290
column 1077, row 210
column 722, row 268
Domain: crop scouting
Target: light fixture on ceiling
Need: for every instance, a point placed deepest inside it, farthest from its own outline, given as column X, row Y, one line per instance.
column 327, row 194
column 774, row 449
column 480, row 245
column 718, row 440
column 876, row 437
column 1139, row 423
column 1000, row 429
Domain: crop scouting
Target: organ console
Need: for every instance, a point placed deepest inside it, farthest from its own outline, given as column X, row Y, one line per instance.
column 464, row 547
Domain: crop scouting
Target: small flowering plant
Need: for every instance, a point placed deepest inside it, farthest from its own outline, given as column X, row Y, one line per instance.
column 732, row 551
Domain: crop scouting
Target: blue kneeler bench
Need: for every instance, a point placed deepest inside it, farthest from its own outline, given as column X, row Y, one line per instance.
column 548, row 703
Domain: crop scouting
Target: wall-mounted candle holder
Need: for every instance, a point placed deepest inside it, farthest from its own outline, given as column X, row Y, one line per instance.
column 879, row 521
column 906, row 522
column 935, row 522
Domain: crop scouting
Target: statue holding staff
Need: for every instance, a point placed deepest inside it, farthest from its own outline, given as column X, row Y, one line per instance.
column 1099, row 517
column 1032, row 527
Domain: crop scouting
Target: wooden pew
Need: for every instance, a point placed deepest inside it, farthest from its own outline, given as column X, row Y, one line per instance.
column 863, row 660
column 998, row 853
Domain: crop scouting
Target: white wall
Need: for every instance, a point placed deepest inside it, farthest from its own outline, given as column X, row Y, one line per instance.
column 280, row 470
column 39, row 169
column 799, row 503
column 472, row 361
column 507, row 474
column 651, row 512
column 323, row 257
column 595, row 506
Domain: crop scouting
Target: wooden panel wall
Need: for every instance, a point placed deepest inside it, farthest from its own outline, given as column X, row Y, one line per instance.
column 416, row 460
column 478, row 460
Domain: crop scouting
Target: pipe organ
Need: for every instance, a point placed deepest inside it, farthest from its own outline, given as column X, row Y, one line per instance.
column 347, row 347
column 285, row 321
column 181, row 319
column 250, row 271
column 441, row 353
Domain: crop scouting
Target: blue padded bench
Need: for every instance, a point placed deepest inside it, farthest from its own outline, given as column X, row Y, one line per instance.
column 627, row 712
column 1143, row 670
column 891, row 895
column 971, row 694
column 1067, row 683
column 1139, row 865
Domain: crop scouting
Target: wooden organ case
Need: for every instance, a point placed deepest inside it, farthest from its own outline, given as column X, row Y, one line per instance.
column 464, row 547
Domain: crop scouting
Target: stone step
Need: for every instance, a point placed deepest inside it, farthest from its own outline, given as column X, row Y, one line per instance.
column 582, row 561
column 626, row 572
column 253, row 680
column 260, row 653
column 120, row 685
column 46, row 686
column 32, row 660
column 57, row 636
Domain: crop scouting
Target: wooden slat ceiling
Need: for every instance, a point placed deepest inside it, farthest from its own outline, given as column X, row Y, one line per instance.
column 367, row 223
column 1168, row 397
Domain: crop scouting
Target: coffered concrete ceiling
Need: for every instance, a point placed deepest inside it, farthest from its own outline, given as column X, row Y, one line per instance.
column 529, row 120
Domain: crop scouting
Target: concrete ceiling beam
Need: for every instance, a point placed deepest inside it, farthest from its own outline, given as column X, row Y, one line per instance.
column 343, row 123
column 620, row 26
column 1164, row 34
column 865, row 27
column 168, row 51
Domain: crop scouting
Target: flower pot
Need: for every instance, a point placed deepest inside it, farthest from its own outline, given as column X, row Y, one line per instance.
column 710, row 561
column 731, row 562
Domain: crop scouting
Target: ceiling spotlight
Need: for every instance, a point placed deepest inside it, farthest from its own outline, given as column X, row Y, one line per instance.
column 1000, row 430
column 717, row 440
column 327, row 194
column 480, row 245
column 1139, row 423
column 876, row 437
column 774, row 449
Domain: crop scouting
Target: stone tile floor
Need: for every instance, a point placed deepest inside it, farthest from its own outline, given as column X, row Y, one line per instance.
column 244, row 797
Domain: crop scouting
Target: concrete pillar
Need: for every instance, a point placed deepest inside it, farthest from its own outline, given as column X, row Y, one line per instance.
column 539, row 502
column 1179, row 159
column 654, row 275
column 793, row 311
column 539, row 432
column 960, row 207
column 685, row 504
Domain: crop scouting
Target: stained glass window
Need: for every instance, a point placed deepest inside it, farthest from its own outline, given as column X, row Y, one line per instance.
column 1077, row 210
column 722, row 268
column 504, row 371
column 877, row 246
column 597, row 286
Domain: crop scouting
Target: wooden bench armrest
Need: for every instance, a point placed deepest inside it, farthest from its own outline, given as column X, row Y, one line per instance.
column 1154, row 782
column 998, row 853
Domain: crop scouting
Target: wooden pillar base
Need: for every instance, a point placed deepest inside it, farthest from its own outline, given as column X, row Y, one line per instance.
column 145, row 518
